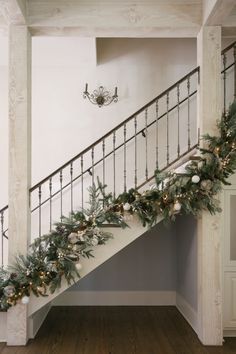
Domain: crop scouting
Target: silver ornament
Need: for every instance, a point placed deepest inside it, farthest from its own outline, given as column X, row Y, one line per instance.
column 73, row 237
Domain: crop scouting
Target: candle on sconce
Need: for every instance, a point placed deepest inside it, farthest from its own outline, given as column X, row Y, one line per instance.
column 86, row 87
column 115, row 92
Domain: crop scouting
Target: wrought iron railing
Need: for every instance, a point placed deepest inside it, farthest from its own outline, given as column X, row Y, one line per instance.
column 155, row 136
column 229, row 75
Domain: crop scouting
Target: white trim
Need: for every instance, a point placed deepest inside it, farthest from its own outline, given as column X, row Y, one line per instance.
column 116, row 298
column 229, row 333
column 36, row 321
column 3, row 327
column 187, row 311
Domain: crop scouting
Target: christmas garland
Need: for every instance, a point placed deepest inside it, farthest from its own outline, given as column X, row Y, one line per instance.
column 58, row 253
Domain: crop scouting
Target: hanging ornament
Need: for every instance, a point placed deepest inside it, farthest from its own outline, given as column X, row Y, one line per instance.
column 177, row 206
column 78, row 266
column 73, row 237
column 127, row 206
column 25, row 300
column 9, row 290
column 195, row 179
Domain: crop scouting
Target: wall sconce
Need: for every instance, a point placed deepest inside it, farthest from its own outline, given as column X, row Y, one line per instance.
column 101, row 97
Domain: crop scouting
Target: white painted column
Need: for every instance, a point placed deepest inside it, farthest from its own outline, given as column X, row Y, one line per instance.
column 19, row 165
column 209, row 243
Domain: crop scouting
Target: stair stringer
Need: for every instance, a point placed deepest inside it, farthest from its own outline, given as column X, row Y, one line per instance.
column 121, row 239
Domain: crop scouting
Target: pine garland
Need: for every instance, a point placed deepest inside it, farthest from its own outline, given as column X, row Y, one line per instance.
column 58, row 253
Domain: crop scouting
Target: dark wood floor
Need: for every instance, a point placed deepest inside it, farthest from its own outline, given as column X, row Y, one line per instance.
column 116, row 330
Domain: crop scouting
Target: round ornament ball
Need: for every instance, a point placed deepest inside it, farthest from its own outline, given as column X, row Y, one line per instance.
column 78, row 266
column 195, row 179
column 25, row 300
column 73, row 237
column 177, row 206
column 127, row 206
column 9, row 290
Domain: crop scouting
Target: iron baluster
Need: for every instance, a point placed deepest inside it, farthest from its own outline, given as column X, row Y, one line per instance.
column 82, row 180
column 178, row 95
column 135, row 152
column 50, row 203
column 235, row 72
column 224, row 80
column 103, row 162
column 157, row 164
column 71, row 187
column 146, row 144
column 2, row 235
column 188, row 88
column 61, row 180
column 40, row 214
column 114, row 163
column 125, row 158
column 92, row 156
column 167, row 129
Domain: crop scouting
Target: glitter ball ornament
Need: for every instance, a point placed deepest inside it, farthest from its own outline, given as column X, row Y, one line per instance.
column 177, row 206
column 25, row 300
column 127, row 206
column 73, row 237
column 195, row 179
column 9, row 290
column 78, row 266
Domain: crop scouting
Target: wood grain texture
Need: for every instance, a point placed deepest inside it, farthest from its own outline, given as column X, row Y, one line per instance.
column 209, row 233
column 117, row 330
column 115, row 14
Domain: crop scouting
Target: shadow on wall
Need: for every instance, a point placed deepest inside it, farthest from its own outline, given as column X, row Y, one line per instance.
column 148, row 264
column 109, row 49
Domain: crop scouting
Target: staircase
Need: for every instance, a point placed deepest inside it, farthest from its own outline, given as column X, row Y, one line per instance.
column 161, row 135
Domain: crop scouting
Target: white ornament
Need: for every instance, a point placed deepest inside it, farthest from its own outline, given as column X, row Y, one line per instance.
column 73, row 237
column 195, row 179
column 9, row 290
column 177, row 206
column 127, row 206
column 78, row 266
column 25, row 300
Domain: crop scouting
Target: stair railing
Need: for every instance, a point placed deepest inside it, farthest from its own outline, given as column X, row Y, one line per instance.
column 155, row 136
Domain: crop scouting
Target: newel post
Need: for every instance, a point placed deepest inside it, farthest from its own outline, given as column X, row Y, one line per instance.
column 19, row 164
column 209, row 236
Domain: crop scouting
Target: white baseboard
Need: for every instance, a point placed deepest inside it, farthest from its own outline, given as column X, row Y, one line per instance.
column 187, row 311
column 229, row 333
column 36, row 321
column 3, row 326
column 116, row 298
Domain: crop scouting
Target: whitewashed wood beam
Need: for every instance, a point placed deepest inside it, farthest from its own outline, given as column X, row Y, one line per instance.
column 14, row 11
column 216, row 11
column 209, row 235
column 19, row 165
column 128, row 32
column 114, row 18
